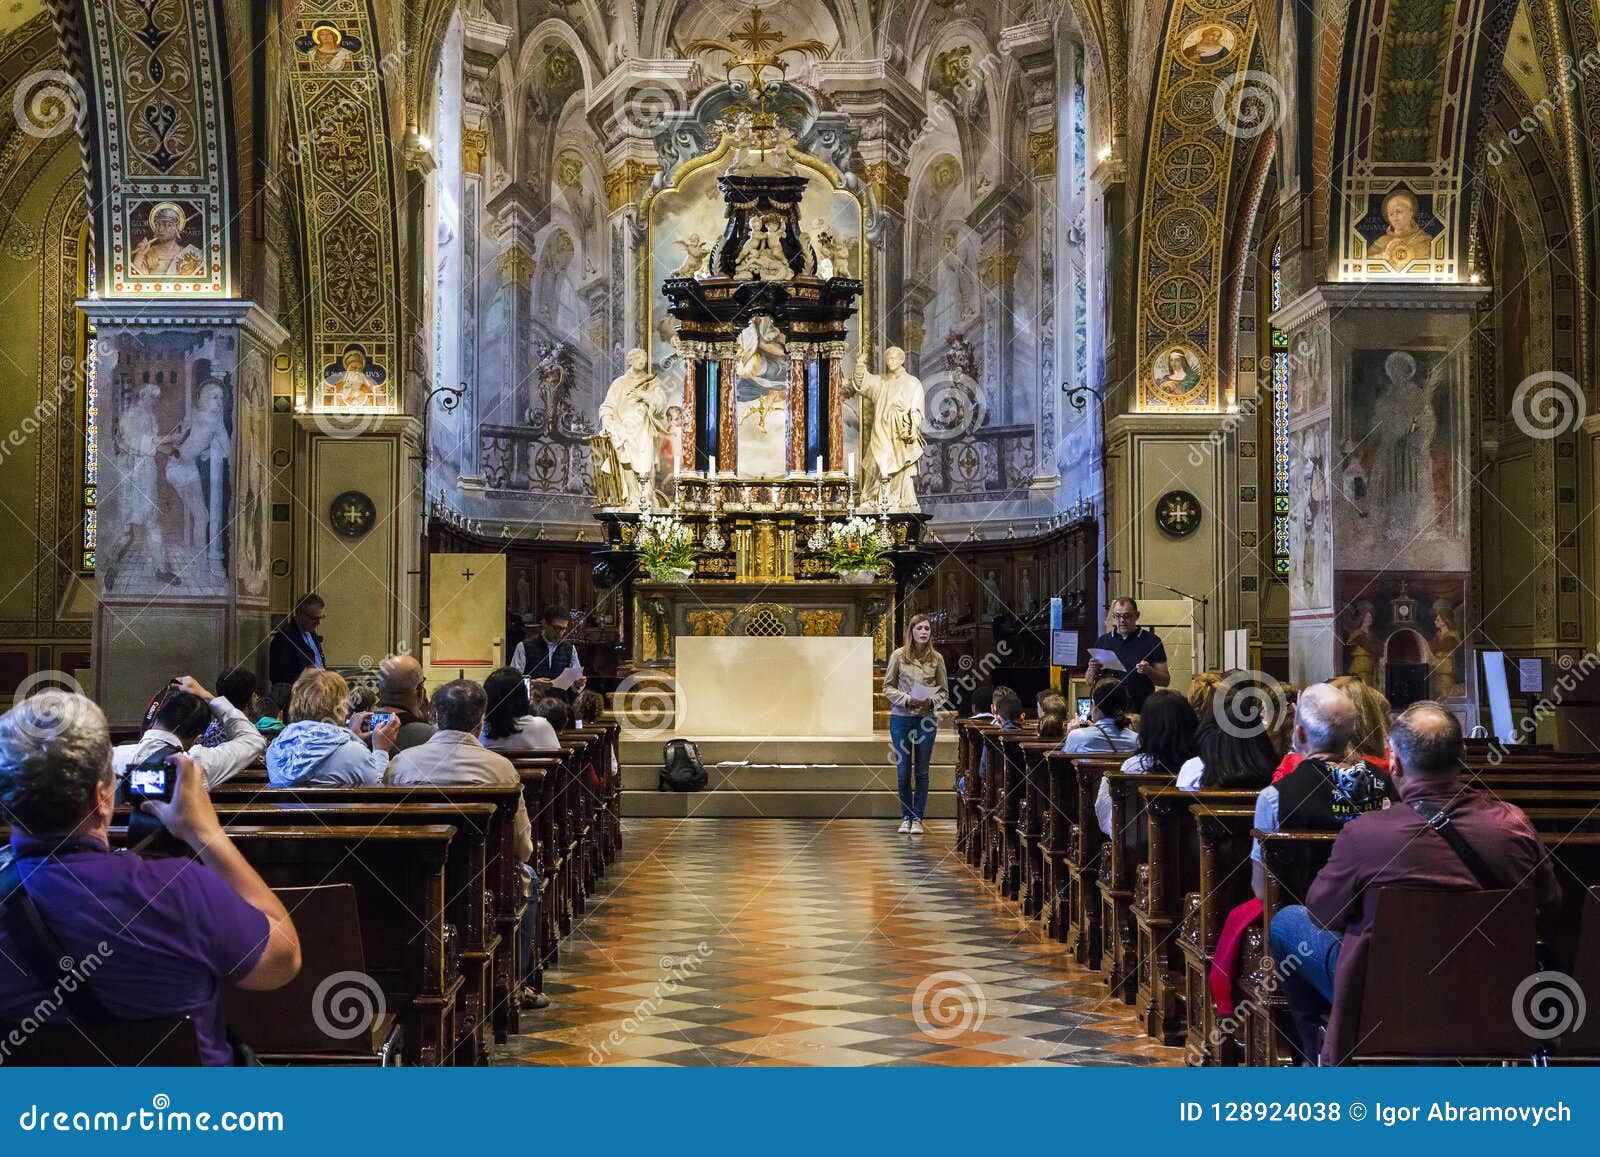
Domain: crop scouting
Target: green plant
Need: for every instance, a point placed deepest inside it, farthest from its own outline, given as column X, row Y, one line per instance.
column 853, row 545
column 665, row 545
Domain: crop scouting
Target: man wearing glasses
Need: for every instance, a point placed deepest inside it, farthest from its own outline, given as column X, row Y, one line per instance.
column 1141, row 652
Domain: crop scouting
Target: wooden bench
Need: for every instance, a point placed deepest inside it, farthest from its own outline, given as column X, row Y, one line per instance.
column 1224, row 837
column 1122, row 857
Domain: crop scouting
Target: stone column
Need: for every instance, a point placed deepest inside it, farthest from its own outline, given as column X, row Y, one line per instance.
column 1382, row 460
column 996, row 219
column 800, row 354
column 184, row 499
column 520, row 213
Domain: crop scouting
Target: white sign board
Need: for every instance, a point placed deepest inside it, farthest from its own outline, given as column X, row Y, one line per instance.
column 1063, row 648
column 1494, row 682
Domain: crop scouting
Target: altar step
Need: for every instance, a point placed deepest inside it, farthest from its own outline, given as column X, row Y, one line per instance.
column 783, row 778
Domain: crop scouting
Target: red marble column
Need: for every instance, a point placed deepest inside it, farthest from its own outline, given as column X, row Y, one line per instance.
column 835, row 409
column 728, row 419
column 686, row 463
column 795, row 454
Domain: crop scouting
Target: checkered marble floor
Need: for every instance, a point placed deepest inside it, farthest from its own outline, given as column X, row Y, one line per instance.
column 814, row 942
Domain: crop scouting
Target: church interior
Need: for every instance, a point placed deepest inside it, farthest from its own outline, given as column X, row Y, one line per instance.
column 1063, row 428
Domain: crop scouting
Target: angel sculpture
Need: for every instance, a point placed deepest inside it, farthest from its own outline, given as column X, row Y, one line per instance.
column 695, row 251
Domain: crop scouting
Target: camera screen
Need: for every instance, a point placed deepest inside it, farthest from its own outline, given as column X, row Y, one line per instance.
column 379, row 718
column 148, row 781
column 1083, row 708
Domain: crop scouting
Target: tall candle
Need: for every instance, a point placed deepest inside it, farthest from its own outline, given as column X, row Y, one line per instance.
column 819, row 466
column 851, row 470
column 713, row 465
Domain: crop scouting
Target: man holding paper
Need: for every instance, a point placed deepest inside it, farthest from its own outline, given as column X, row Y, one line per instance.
column 1136, row 656
column 549, row 661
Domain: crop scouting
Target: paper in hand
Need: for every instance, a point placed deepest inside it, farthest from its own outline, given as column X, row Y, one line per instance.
column 1107, row 659
column 566, row 679
column 921, row 693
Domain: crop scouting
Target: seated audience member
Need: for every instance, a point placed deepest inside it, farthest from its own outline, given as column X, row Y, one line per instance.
column 280, row 693
column 1053, row 727
column 554, row 712
column 181, row 718
column 1405, row 846
column 508, row 723
column 166, row 934
column 1107, row 730
column 982, row 702
column 1006, row 707
column 1372, row 730
column 1327, row 789
column 1280, row 728
column 587, row 708
column 454, row 756
column 401, row 691
column 1167, row 727
column 269, row 721
column 1203, row 693
column 1233, row 748
column 1051, row 702
column 237, row 686
column 362, row 698
column 317, row 749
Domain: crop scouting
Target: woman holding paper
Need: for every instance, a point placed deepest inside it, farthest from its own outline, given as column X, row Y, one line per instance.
column 916, row 685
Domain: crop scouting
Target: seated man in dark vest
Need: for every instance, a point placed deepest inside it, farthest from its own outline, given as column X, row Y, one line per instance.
column 543, row 658
column 1331, row 785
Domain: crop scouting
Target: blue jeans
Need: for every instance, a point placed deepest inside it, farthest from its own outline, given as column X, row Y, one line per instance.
column 1307, row 957
column 529, row 941
column 912, row 737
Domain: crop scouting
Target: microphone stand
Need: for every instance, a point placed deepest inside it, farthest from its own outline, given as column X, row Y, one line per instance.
column 1200, row 645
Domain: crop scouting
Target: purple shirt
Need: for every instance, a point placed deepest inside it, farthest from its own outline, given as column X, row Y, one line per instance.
column 175, row 933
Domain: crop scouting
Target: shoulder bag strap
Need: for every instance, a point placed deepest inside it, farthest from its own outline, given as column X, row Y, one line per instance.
column 1439, row 822
column 50, row 964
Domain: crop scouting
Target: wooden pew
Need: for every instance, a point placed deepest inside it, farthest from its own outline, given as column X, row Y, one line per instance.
column 1170, row 872
column 399, row 875
column 972, row 801
column 502, row 870
column 1032, row 815
column 1086, row 859
column 1224, row 883
column 1123, row 856
column 1056, row 828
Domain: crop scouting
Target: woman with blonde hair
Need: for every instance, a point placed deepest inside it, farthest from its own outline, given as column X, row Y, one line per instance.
column 1203, row 694
column 916, row 685
column 1372, row 736
column 317, row 748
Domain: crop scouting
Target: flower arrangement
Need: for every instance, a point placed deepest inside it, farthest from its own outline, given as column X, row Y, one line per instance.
column 853, row 546
column 666, row 547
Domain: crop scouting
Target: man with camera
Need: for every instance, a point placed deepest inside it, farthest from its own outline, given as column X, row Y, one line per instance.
column 164, row 935
column 176, row 720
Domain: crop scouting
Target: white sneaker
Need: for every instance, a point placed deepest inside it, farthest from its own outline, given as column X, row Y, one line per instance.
column 916, row 827
column 905, row 827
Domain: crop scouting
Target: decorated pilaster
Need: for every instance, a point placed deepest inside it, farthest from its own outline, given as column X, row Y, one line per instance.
column 184, row 503
column 520, row 213
column 1382, row 459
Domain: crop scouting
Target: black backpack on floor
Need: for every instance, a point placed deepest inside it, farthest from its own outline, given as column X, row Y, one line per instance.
column 681, row 769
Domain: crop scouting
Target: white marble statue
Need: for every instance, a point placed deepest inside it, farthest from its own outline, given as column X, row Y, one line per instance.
column 762, row 257
column 894, row 439
column 695, row 251
column 634, row 416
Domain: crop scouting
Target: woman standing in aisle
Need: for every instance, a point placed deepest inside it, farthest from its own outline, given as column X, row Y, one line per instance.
column 916, row 685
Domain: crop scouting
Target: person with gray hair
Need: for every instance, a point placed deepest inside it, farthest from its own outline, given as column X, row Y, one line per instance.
column 402, row 693
column 1447, row 836
column 144, row 938
column 1327, row 788
column 453, row 754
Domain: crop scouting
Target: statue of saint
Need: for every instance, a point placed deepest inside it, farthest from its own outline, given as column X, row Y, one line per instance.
column 633, row 416
column 894, row 439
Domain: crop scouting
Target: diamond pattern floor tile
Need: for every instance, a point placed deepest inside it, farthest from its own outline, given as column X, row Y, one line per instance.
column 814, row 943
